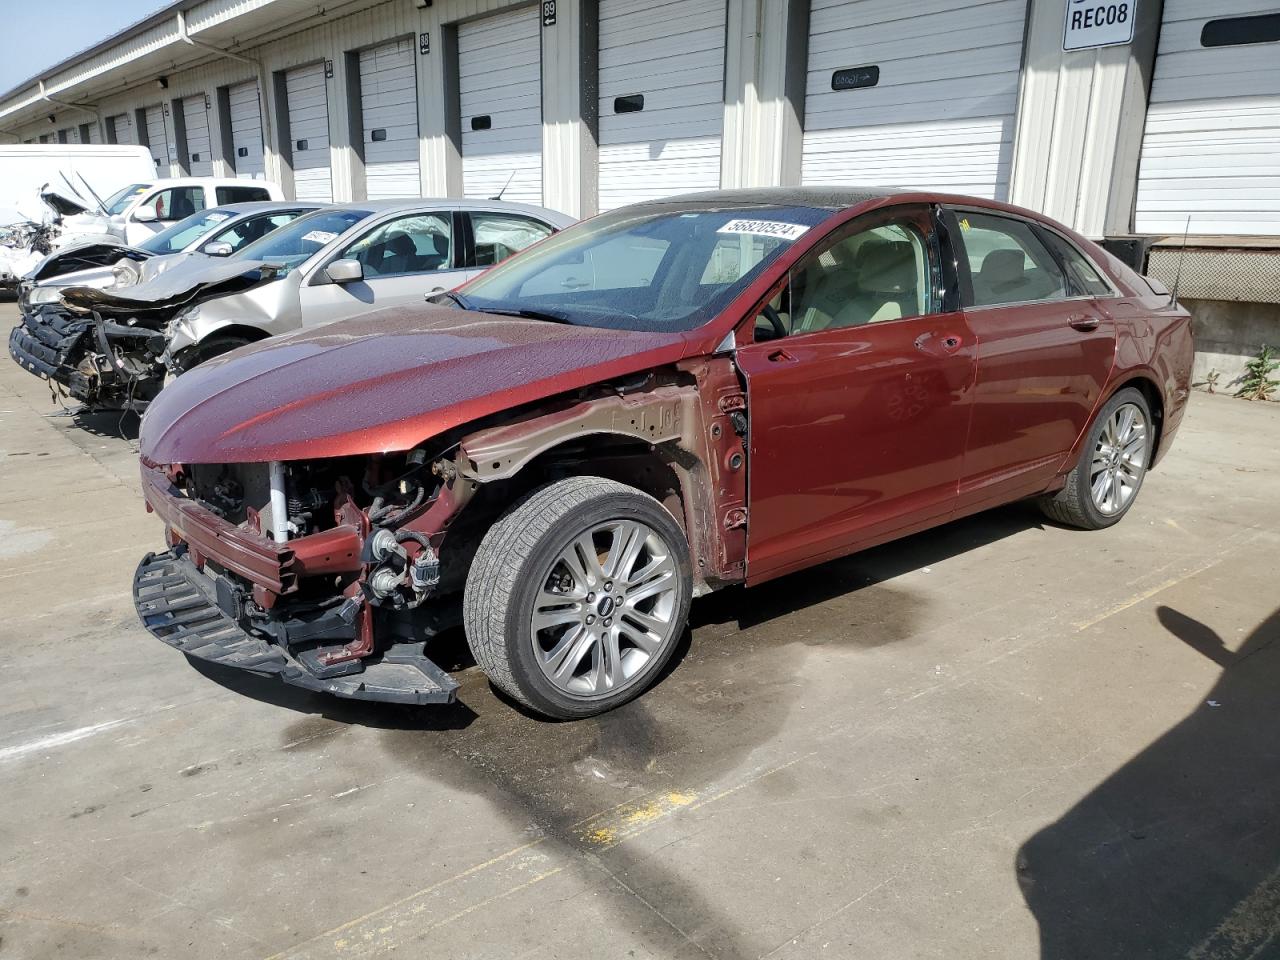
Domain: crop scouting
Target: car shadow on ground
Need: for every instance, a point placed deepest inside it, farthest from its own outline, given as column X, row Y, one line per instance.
column 115, row 424
column 1176, row 854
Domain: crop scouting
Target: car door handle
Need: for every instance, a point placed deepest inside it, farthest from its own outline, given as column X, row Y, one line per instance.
column 781, row 356
column 1085, row 322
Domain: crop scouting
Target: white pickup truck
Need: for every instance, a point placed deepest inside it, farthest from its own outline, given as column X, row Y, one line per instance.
column 140, row 210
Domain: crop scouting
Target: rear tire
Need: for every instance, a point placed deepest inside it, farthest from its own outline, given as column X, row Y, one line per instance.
column 1105, row 482
column 577, row 597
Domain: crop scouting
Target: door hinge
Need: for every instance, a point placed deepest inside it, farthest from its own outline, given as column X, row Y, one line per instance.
column 735, row 518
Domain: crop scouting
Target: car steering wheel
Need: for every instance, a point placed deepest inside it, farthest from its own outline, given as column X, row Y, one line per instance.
column 775, row 321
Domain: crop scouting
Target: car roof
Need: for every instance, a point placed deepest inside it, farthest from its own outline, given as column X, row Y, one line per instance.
column 455, row 203
column 820, row 198
column 206, row 181
column 263, row 206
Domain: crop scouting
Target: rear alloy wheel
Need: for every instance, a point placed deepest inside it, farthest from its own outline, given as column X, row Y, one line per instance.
column 577, row 596
column 1113, row 463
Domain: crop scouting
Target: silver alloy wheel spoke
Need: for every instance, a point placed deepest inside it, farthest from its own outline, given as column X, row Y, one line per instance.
column 1119, row 459
column 606, row 608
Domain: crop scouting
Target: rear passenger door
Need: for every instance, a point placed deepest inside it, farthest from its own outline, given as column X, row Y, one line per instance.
column 401, row 259
column 1045, row 347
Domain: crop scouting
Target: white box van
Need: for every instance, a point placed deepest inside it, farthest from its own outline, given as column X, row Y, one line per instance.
column 83, row 168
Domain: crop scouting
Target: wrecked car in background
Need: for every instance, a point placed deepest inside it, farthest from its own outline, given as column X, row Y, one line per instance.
column 115, row 346
column 112, row 359
column 217, row 232
column 666, row 399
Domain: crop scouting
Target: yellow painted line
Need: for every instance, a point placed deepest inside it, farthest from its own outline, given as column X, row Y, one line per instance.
column 630, row 818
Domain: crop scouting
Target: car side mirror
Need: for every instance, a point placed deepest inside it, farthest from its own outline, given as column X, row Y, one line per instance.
column 344, row 271
column 218, row 248
column 146, row 214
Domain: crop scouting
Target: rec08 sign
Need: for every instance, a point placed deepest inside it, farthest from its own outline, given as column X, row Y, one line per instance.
column 1098, row 23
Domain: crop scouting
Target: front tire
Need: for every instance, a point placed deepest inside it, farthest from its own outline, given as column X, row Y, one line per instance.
column 1113, row 463
column 577, row 597
column 214, row 346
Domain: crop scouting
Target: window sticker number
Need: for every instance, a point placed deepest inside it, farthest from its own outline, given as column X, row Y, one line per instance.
column 766, row 228
column 320, row 236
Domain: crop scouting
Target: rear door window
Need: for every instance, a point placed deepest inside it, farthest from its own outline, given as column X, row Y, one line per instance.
column 1007, row 261
column 1086, row 280
column 499, row 235
column 241, row 194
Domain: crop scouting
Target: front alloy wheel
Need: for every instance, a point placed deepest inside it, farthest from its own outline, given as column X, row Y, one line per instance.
column 577, row 596
column 606, row 609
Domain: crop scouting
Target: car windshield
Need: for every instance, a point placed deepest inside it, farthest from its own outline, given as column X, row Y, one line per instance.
column 185, row 232
column 295, row 242
column 667, row 267
column 119, row 201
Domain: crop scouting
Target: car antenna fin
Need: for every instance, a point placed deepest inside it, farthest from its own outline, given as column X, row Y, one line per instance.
column 504, row 186
column 1182, row 255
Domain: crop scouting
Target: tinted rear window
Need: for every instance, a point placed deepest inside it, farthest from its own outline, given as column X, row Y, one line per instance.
column 242, row 194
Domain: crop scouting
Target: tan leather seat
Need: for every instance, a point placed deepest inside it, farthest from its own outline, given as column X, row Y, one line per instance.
column 879, row 282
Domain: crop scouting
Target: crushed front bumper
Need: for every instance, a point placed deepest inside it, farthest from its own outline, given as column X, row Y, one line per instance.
column 79, row 353
column 47, row 344
column 192, row 612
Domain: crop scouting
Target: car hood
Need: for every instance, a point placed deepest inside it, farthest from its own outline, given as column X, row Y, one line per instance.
column 162, row 294
column 84, row 256
column 381, row 382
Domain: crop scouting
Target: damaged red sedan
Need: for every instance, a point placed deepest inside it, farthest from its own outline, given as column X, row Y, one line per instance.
column 712, row 389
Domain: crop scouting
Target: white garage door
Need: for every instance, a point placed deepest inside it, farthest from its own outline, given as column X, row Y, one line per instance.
column 307, row 95
column 922, row 100
column 246, row 130
column 1211, row 149
column 123, row 128
column 389, row 106
column 500, row 87
column 661, row 98
column 158, row 139
column 196, row 120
